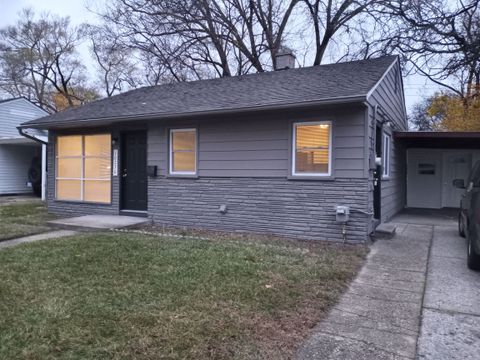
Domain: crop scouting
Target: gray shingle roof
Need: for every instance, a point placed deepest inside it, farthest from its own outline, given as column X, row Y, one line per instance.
column 253, row 91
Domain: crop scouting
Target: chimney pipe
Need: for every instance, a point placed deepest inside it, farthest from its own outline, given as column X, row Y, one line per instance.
column 285, row 58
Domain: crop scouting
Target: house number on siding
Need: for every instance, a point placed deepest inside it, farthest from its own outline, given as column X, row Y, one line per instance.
column 115, row 162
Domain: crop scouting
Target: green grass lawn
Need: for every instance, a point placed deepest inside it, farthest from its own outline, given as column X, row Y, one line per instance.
column 131, row 296
column 21, row 219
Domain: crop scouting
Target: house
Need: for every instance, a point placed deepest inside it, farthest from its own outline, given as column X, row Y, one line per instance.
column 272, row 153
column 22, row 159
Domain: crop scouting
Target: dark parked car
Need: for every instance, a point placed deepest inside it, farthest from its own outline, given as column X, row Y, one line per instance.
column 469, row 216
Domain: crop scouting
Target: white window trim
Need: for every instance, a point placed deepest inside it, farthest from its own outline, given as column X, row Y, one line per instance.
column 294, row 149
column 82, row 177
column 170, row 152
column 386, row 155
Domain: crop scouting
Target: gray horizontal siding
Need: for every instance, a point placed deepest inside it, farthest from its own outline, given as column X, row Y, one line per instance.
column 300, row 209
column 389, row 96
column 394, row 188
column 260, row 146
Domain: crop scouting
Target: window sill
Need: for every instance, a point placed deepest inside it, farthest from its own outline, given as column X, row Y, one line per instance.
column 311, row 178
column 82, row 202
column 181, row 176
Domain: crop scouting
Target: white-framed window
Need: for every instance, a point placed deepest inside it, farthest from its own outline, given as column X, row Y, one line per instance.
column 183, row 152
column 83, row 168
column 386, row 151
column 312, row 148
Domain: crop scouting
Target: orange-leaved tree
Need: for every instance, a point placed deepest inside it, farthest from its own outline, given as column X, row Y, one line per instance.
column 456, row 114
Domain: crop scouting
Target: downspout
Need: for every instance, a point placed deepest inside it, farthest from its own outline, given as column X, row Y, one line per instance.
column 43, row 159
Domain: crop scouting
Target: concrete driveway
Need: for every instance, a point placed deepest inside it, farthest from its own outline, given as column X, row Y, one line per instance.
column 450, row 327
column 415, row 298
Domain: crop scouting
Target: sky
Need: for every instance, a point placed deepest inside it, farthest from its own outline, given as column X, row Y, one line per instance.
column 416, row 87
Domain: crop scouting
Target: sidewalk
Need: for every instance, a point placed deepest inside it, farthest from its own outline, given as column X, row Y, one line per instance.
column 379, row 316
column 38, row 237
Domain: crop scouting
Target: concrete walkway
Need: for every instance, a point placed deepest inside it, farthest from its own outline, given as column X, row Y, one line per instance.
column 414, row 299
column 38, row 237
column 379, row 316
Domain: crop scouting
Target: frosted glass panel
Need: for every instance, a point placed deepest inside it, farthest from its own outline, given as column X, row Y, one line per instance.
column 97, row 168
column 69, row 145
column 69, row 168
column 98, row 145
column 97, row 191
column 84, row 157
column 183, row 140
column 69, row 190
column 184, row 162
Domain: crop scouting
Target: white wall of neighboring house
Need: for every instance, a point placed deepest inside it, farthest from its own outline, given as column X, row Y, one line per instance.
column 16, row 151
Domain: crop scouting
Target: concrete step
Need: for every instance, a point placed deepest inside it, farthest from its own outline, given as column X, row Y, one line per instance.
column 385, row 231
column 99, row 222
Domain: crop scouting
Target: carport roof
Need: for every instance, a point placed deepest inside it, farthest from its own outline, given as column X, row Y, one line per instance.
column 439, row 139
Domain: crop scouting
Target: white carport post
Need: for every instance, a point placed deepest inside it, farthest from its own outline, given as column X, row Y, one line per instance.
column 44, row 171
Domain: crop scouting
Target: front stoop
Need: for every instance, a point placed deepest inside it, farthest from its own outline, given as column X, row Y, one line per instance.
column 99, row 222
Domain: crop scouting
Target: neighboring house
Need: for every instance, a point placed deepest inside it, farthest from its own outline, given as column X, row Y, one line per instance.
column 271, row 153
column 21, row 157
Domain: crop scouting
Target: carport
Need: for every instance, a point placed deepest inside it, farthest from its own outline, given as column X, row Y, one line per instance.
column 434, row 161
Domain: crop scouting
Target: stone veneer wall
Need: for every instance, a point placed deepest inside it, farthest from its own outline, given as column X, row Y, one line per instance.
column 291, row 208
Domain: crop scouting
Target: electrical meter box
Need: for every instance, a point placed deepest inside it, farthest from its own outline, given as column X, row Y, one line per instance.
column 342, row 213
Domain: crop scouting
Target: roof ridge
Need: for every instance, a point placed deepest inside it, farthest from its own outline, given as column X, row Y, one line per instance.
column 242, row 76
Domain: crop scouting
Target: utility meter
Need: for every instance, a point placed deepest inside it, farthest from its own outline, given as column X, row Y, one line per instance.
column 342, row 213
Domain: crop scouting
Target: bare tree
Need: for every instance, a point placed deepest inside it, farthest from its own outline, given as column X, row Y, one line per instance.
column 329, row 17
column 116, row 68
column 439, row 39
column 204, row 38
column 38, row 59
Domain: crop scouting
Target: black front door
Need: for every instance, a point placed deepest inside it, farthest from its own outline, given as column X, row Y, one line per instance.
column 134, row 171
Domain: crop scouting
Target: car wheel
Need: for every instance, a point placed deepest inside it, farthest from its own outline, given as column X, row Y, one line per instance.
column 473, row 259
column 461, row 225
